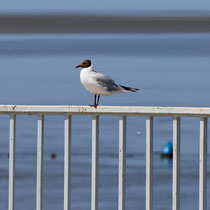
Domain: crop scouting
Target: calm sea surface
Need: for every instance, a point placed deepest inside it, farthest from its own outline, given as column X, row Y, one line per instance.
column 169, row 70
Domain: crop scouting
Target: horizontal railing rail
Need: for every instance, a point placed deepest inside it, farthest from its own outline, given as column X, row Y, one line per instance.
column 122, row 111
column 106, row 110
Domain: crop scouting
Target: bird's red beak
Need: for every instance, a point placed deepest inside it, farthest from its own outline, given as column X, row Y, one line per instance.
column 79, row 66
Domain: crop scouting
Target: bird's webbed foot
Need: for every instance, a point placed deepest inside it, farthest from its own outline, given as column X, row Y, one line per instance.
column 94, row 105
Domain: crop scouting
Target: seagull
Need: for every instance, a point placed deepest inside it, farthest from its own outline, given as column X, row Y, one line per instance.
column 98, row 83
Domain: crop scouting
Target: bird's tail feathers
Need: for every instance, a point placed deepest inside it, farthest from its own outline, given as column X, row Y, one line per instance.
column 129, row 88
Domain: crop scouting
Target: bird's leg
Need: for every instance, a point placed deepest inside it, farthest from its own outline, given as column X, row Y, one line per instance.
column 98, row 100
column 95, row 99
column 95, row 105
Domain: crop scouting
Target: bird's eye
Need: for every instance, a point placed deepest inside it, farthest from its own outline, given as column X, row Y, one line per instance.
column 85, row 63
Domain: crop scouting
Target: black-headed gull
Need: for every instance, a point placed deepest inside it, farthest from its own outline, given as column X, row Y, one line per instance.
column 99, row 84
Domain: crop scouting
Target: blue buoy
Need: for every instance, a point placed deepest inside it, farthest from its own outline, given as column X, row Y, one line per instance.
column 167, row 150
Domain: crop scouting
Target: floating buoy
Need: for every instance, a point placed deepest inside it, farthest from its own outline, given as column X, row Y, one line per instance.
column 138, row 132
column 53, row 155
column 167, row 150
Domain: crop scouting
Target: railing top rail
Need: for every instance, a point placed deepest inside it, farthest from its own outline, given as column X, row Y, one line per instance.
column 105, row 110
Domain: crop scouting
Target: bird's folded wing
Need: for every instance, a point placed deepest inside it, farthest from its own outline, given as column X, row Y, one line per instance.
column 107, row 82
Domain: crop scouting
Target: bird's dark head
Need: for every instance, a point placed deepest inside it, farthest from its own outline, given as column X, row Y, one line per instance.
column 84, row 64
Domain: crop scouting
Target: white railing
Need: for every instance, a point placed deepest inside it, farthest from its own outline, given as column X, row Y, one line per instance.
column 122, row 111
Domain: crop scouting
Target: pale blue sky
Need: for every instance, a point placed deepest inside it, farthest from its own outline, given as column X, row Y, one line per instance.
column 109, row 6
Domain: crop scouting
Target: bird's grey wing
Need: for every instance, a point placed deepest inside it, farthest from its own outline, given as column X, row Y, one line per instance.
column 106, row 82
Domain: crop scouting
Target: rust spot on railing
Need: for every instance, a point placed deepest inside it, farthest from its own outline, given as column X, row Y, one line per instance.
column 82, row 109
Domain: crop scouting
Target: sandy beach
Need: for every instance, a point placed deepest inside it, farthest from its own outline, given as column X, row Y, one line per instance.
column 102, row 24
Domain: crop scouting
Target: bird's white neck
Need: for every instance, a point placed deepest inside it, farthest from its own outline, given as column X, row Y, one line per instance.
column 90, row 68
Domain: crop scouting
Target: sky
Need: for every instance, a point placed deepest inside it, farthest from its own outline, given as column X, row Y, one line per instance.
column 97, row 6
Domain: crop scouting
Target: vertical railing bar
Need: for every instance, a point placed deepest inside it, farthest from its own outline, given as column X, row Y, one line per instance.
column 203, row 164
column 12, row 125
column 40, row 144
column 149, row 163
column 67, row 162
column 95, row 157
column 176, row 164
column 122, row 164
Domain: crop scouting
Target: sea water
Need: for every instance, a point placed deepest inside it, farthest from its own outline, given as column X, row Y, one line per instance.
column 169, row 70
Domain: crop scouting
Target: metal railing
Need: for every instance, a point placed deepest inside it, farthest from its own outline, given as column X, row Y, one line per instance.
column 122, row 111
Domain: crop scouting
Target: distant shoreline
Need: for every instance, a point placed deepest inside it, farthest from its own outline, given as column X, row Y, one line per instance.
column 28, row 24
